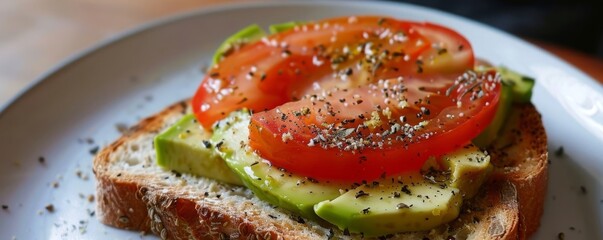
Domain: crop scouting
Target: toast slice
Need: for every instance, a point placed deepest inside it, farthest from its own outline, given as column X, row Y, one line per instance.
column 134, row 193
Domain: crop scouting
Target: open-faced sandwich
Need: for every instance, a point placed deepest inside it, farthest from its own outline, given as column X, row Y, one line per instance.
column 351, row 127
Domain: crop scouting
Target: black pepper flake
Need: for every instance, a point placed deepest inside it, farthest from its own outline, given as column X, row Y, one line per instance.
column 442, row 51
column 271, row 216
column 206, row 143
column 331, row 234
column 4, row 207
column 312, row 180
column 242, row 101
column 94, row 150
column 42, row 160
column 206, row 194
column 361, row 194
column 402, row 206
column 559, row 152
column 300, row 220
column 397, row 54
column 561, row 236
column 583, row 190
column 262, row 77
column 218, row 145
column 254, row 163
column 349, row 71
column 405, row 190
column 396, row 195
column 177, row 173
column 218, row 196
column 366, row 210
column 49, row 208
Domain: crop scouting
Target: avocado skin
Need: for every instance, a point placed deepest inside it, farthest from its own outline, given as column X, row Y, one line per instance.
column 408, row 203
column 281, row 27
column 180, row 148
column 271, row 184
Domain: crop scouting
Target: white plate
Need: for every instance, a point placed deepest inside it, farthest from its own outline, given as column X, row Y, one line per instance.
column 146, row 69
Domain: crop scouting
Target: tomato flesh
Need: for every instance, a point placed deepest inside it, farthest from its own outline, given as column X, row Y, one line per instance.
column 376, row 130
column 342, row 52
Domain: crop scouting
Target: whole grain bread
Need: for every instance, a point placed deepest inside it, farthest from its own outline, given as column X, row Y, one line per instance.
column 134, row 193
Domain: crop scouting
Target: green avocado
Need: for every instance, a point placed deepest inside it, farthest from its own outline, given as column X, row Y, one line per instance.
column 428, row 199
column 248, row 34
column 468, row 169
column 276, row 186
column 406, row 203
column 184, row 148
column 516, row 88
column 520, row 85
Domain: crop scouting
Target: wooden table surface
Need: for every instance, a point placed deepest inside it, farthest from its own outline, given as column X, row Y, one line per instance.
column 35, row 35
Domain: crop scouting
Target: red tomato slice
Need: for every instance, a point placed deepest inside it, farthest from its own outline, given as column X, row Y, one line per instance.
column 343, row 52
column 376, row 130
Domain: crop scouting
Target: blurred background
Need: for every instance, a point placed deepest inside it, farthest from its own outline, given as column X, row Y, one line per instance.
column 36, row 35
column 576, row 25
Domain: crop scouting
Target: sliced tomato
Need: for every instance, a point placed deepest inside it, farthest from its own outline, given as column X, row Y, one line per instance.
column 376, row 130
column 343, row 52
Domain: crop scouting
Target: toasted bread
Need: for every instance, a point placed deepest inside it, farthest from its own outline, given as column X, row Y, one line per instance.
column 134, row 193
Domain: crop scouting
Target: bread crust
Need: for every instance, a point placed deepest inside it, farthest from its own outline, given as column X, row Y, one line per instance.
column 509, row 206
column 522, row 159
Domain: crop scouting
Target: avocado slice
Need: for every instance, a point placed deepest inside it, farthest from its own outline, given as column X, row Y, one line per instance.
column 276, row 186
column 184, row 147
column 407, row 203
column 521, row 85
column 246, row 35
column 411, row 202
column 435, row 194
column 516, row 88
column 281, row 27
column 490, row 133
column 469, row 168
